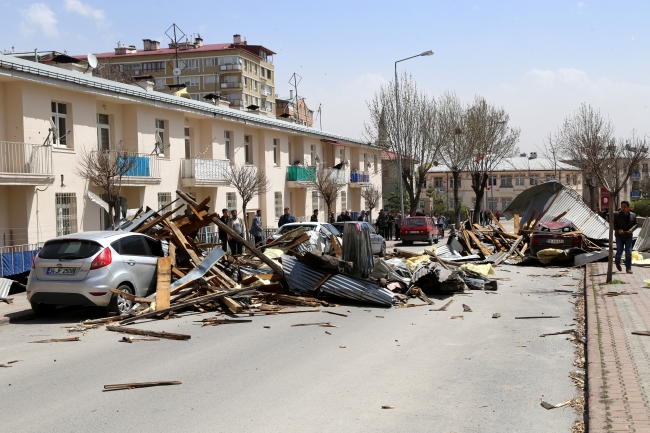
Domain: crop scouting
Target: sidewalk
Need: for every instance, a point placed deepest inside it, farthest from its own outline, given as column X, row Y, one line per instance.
column 20, row 309
column 618, row 362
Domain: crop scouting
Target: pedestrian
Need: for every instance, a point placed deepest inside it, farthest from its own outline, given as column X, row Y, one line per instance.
column 481, row 218
column 498, row 215
column 286, row 218
column 488, row 216
column 314, row 216
column 398, row 224
column 237, row 225
column 223, row 236
column 362, row 217
column 332, row 218
column 391, row 225
column 382, row 223
column 624, row 225
column 441, row 222
column 256, row 227
column 346, row 216
column 341, row 217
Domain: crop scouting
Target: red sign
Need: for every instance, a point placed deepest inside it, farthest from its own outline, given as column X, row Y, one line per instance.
column 604, row 199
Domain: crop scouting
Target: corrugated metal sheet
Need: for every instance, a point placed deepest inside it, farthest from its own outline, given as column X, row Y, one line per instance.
column 5, row 285
column 578, row 213
column 302, row 279
column 643, row 240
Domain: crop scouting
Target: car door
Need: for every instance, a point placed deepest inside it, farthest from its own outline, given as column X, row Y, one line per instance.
column 139, row 262
column 375, row 239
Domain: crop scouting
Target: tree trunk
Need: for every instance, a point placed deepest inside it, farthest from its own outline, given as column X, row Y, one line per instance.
column 478, row 182
column 457, row 206
column 247, row 235
column 111, row 218
column 592, row 196
column 610, row 258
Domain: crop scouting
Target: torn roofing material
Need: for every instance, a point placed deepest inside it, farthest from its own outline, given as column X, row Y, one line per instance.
column 643, row 240
column 539, row 197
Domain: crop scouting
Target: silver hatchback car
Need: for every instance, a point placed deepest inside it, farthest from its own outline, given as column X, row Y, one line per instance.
column 81, row 268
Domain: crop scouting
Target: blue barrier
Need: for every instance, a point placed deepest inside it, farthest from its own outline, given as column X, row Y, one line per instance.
column 16, row 263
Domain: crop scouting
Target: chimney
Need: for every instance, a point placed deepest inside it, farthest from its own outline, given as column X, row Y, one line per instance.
column 150, row 45
column 523, row 154
column 290, row 94
column 533, row 155
column 236, row 39
column 125, row 49
column 198, row 41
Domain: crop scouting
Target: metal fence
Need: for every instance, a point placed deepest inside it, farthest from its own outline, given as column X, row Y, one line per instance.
column 25, row 158
column 196, row 168
column 141, row 164
column 18, row 258
column 210, row 234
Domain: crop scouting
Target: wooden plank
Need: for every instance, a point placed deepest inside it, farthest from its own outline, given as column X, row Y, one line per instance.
column 134, row 385
column 167, row 335
column 177, row 272
column 523, row 249
column 180, row 239
column 232, row 305
column 172, row 254
column 321, row 281
column 557, row 218
column 195, row 212
column 155, row 221
column 496, row 220
column 203, row 205
column 133, row 298
column 57, row 340
column 516, row 223
column 197, row 225
column 338, row 252
column 466, row 238
column 530, row 219
column 163, row 282
column 478, row 243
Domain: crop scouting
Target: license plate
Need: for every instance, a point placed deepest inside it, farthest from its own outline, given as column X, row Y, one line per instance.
column 61, row 271
column 414, row 231
column 555, row 241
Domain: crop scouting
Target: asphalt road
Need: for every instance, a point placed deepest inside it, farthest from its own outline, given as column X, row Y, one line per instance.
column 475, row 374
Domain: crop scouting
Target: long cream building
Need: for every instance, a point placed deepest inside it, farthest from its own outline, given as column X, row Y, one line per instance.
column 42, row 197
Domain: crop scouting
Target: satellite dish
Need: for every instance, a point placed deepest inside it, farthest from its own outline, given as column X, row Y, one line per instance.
column 435, row 163
column 92, row 60
column 176, row 72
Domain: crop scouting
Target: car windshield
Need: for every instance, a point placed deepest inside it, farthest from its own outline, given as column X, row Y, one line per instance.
column 333, row 229
column 69, row 249
column 287, row 228
column 413, row 222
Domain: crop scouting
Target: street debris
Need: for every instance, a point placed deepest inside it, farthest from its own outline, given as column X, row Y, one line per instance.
column 388, row 407
column 538, row 317
column 8, row 364
column 645, row 333
column 136, row 340
column 121, row 386
column 466, row 308
column 496, row 315
column 456, row 317
column 549, row 406
column 566, row 331
column 167, row 335
column 610, row 294
column 57, row 340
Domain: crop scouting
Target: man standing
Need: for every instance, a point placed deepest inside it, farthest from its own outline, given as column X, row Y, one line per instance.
column 391, row 226
column 398, row 224
column 286, row 218
column 624, row 226
column 223, row 236
column 237, row 225
column 256, row 227
column 442, row 221
column 382, row 223
column 341, row 217
column 314, row 216
column 362, row 217
column 331, row 219
column 346, row 216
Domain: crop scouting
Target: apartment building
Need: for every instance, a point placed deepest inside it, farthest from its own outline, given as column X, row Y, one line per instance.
column 509, row 179
column 240, row 73
column 41, row 195
column 294, row 109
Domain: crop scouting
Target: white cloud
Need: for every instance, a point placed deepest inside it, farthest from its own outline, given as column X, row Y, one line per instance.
column 39, row 15
column 86, row 10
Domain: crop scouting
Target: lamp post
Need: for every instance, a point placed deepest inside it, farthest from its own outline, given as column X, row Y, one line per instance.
column 399, row 144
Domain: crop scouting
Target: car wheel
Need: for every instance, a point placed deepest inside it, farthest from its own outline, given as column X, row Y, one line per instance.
column 43, row 309
column 382, row 251
column 435, row 241
column 119, row 304
column 407, row 242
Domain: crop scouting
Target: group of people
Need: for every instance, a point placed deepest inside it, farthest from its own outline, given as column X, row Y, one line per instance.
column 486, row 217
column 237, row 225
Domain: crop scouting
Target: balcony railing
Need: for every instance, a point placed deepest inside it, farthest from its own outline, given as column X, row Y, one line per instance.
column 636, row 175
column 298, row 173
column 231, row 85
column 232, row 67
column 357, row 176
column 336, row 174
column 142, row 165
column 635, row 194
column 25, row 158
column 205, row 169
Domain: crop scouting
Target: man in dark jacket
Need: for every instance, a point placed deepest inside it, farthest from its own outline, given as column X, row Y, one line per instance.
column 314, row 216
column 331, row 219
column 286, row 218
column 347, row 216
column 382, row 223
column 223, row 236
column 624, row 226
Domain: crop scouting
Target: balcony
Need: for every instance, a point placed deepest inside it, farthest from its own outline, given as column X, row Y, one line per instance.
column 636, row 175
column 25, row 164
column 231, row 85
column 339, row 175
column 359, row 179
column 299, row 176
column 204, row 172
column 232, row 67
column 144, row 167
column 635, row 194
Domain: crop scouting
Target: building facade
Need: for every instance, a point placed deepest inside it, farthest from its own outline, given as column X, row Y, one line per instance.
column 294, row 109
column 511, row 177
column 42, row 196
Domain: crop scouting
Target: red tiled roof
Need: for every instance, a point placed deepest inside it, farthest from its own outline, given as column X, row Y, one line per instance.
column 169, row 51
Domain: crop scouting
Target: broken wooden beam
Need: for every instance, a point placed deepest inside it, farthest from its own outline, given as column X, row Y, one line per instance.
column 135, row 385
column 162, row 334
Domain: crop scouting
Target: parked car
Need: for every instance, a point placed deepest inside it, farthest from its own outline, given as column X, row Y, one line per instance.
column 81, row 268
column 325, row 229
column 419, row 228
column 553, row 234
column 376, row 240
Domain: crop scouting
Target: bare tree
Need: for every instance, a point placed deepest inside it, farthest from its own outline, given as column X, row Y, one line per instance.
column 249, row 182
column 588, row 139
column 419, row 139
column 491, row 139
column 457, row 151
column 106, row 169
column 372, row 196
column 328, row 182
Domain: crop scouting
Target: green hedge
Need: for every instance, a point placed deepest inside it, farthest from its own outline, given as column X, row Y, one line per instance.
column 641, row 207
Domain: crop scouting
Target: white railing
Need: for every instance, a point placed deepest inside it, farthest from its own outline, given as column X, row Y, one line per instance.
column 213, row 169
column 339, row 175
column 232, row 67
column 231, row 85
column 141, row 164
column 25, row 158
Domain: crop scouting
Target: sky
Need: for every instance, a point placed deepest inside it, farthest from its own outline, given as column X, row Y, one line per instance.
column 539, row 60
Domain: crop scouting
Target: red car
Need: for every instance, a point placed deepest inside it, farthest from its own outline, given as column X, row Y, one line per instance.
column 419, row 228
column 553, row 234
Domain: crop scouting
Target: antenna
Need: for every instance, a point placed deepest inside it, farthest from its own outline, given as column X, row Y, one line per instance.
column 174, row 33
column 319, row 115
column 294, row 81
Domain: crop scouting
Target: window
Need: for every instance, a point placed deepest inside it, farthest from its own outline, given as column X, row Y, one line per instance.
column 103, row 132
column 212, row 61
column 268, row 74
column 132, row 68
column 190, row 81
column 644, row 168
column 255, row 85
column 519, row 180
column 534, row 179
column 437, row 183
column 276, row 151
column 314, row 201
column 506, row 181
column 66, row 213
column 248, row 151
column 549, row 177
column 60, row 119
column 133, row 246
column 505, row 202
column 268, row 106
column 365, row 160
column 341, row 154
column 226, row 136
column 230, row 79
column 192, row 64
column 492, row 181
column 188, row 144
column 230, row 60
column 164, row 199
column 344, row 200
column 451, row 182
column 312, row 154
column 574, row 179
column 492, row 204
column 278, row 204
column 210, row 79
column 254, row 69
column 160, row 136
column 153, row 67
column 231, row 201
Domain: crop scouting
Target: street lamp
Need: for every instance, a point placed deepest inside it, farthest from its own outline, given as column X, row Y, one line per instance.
column 399, row 144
